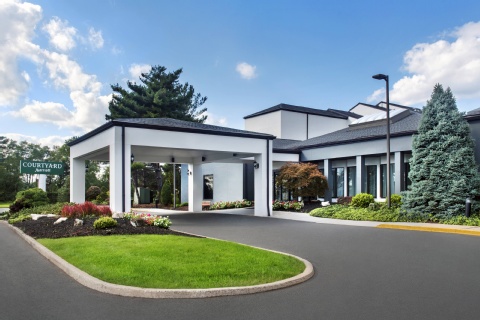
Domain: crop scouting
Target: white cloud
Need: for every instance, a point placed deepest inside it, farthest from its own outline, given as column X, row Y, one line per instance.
column 46, row 141
column 215, row 120
column 18, row 22
column 376, row 95
column 136, row 70
column 246, row 70
column 17, row 25
column 95, row 38
column 454, row 64
column 61, row 35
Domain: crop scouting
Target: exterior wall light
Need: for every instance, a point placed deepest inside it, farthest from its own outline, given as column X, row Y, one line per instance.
column 132, row 158
column 256, row 165
column 189, row 172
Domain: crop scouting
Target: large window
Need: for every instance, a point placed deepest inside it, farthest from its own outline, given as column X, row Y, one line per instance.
column 351, row 181
column 208, row 187
column 281, row 194
column 372, row 180
column 407, row 180
column 383, row 174
column 338, row 185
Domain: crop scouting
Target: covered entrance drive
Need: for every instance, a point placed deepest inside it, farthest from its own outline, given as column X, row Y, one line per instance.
column 165, row 140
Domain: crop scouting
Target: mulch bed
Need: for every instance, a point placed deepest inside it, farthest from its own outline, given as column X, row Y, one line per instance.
column 44, row 228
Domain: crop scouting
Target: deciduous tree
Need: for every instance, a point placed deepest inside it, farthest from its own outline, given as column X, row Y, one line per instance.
column 302, row 179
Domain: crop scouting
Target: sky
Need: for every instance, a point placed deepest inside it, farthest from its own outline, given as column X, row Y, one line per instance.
column 59, row 58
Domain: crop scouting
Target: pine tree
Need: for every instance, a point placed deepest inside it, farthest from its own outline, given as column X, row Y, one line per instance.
column 442, row 168
column 159, row 95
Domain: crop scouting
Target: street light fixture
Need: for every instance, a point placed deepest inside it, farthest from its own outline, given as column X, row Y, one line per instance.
column 385, row 77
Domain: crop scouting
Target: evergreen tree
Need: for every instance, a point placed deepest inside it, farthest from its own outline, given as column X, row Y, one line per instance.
column 442, row 168
column 159, row 95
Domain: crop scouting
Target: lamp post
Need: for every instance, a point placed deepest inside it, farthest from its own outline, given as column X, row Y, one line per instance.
column 385, row 77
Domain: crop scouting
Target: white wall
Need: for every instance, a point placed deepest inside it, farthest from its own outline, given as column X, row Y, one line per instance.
column 227, row 180
column 266, row 123
column 320, row 125
column 294, row 125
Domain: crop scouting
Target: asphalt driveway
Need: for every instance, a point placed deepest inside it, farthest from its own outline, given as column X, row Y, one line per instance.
column 361, row 273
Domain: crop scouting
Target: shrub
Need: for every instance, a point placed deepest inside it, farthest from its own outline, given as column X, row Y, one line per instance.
column 287, row 205
column 151, row 220
column 344, row 200
column 104, row 223
column 85, row 209
column 183, row 204
column 396, row 200
column 362, row 200
column 166, row 193
column 29, row 198
column 92, row 193
column 230, row 204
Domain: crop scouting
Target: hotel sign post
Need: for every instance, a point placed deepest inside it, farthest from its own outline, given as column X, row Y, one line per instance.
column 42, row 167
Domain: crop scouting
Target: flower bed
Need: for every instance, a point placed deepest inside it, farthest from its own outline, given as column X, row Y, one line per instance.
column 287, row 205
column 230, row 204
column 149, row 219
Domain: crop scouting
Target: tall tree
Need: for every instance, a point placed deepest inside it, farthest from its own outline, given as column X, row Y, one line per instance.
column 442, row 168
column 159, row 95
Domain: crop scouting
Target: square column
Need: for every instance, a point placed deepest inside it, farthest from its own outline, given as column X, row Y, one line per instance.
column 399, row 173
column 116, row 174
column 360, row 174
column 327, row 171
column 195, row 188
column 77, row 180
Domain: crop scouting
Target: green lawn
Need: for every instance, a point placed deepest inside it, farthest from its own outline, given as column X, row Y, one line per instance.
column 173, row 262
column 5, row 204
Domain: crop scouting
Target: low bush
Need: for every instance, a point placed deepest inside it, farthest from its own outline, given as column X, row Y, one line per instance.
column 362, row 200
column 150, row 219
column 287, row 205
column 344, row 200
column 231, row 204
column 29, row 198
column 24, row 214
column 85, row 209
column 396, row 200
column 92, row 193
column 104, row 223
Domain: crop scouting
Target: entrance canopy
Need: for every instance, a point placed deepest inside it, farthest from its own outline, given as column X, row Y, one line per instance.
column 166, row 140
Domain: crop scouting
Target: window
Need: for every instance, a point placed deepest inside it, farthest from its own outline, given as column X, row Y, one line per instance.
column 208, row 187
column 281, row 194
column 407, row 180
column 351, row 181
column 338, row 176
column 372, row 180
column 383, row 174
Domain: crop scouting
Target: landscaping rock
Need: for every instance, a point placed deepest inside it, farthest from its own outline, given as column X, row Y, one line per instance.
column 39, row 216
column 117, row 215
column 78, row 223
column 325, row 203
column 60, row 220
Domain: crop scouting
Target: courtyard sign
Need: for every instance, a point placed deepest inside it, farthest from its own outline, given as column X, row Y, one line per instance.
column 42, row 167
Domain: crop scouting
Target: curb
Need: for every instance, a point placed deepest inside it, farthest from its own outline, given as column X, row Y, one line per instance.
column 126, row 291
column 430, row 229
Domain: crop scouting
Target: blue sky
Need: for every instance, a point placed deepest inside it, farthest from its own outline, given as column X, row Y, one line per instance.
column 59, row 58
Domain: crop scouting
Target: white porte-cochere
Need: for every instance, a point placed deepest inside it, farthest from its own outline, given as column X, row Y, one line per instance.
column 164, row 140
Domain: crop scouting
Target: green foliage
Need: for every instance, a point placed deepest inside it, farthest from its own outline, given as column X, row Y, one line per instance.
column 19, row 218
column 104, row 223
column 29, row 198
column 220, row 205
column 287, row 205
column 166, row 193
column 342, row 212
column 92, row 193
column 24, row 214
column 442, row 168
column 159, row 95
column 396, row 200
column 362, row 200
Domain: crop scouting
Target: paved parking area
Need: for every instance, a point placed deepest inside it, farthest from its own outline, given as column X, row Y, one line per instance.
column 361, row 273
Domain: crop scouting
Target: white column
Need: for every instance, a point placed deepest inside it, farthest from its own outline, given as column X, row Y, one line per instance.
column 360, row 174
column 263, row 183
column 327, row 172
column 42, row 181
column 116, row 191
column 399, row 172
column 195, row 188
column 184, row 183
column 77, row 180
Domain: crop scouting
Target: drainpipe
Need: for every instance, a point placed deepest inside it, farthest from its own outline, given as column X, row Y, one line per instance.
column 123, row 168
column 268, row 177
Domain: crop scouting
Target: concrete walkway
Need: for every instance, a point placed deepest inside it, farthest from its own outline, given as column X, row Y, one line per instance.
column 299, row 216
